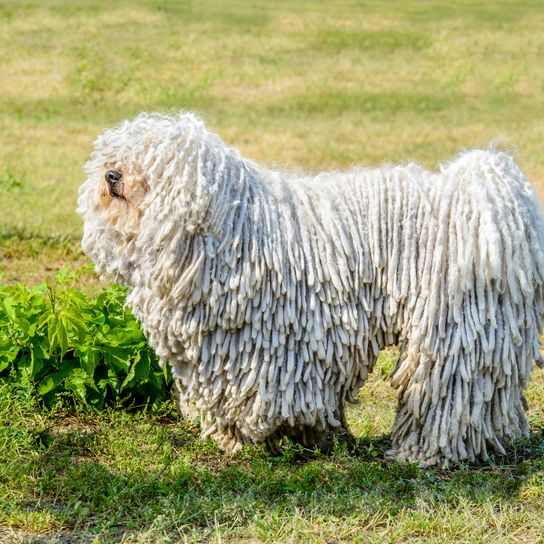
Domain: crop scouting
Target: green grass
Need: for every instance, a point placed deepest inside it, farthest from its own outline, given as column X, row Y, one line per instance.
column 301, row 84
column 118, row 476
column 305, row 84
column 380, row 41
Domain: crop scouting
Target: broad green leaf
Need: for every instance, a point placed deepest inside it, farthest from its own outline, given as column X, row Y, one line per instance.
column 7, row 357
column 89, row 358
column 52, row 381
column 9, row 306
column 142, row 366
column 117, row 357
column 36, row 359
column 59, row 339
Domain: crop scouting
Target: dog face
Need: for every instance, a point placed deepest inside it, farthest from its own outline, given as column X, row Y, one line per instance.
column 129, row 188
column 113, row 195
column 135, row 159
column 148, row 178
column 121, row 193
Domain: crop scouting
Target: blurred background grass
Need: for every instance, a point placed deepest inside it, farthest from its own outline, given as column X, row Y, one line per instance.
column 311, row 85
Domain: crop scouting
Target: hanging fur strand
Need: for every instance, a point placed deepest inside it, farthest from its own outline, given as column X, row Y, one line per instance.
column 272, row 295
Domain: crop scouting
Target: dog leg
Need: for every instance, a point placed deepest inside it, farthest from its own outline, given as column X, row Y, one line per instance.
column 460, row 407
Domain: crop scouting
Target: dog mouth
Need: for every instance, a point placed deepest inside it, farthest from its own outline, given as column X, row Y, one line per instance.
column 116, row 191
column 115, row 184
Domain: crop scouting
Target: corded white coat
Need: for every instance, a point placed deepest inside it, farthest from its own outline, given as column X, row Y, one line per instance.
column 271, row 295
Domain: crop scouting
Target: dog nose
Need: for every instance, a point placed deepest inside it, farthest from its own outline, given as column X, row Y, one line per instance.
column 113, row 176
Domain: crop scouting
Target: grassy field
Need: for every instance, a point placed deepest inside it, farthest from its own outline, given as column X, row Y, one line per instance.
column 117, row 476
column 306, row 85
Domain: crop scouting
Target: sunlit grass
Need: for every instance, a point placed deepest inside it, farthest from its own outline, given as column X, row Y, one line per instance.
column 306, row 85
column 132, row 477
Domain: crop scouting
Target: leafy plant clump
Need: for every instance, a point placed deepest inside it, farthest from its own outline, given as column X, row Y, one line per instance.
column 64, row 343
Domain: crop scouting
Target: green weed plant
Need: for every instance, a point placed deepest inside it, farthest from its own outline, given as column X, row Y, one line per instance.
column 90, row 349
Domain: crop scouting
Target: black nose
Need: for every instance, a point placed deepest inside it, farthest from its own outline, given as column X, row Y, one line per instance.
column 113, row 176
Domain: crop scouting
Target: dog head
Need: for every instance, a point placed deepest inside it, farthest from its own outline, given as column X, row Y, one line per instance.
column 126, row 165
column 149, row 180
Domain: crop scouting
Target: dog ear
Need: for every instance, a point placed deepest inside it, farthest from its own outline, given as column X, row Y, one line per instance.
column 183, row 192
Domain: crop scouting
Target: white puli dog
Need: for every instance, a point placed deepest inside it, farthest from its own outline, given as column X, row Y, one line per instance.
column 271, row 295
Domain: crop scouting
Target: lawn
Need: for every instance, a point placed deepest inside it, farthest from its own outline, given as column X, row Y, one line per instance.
column 305, row 85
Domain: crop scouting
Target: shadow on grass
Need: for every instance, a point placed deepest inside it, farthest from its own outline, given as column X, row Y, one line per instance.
column 189, row 485
column 18, row 243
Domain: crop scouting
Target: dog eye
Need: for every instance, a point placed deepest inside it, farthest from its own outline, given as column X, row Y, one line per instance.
column 113, row 175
